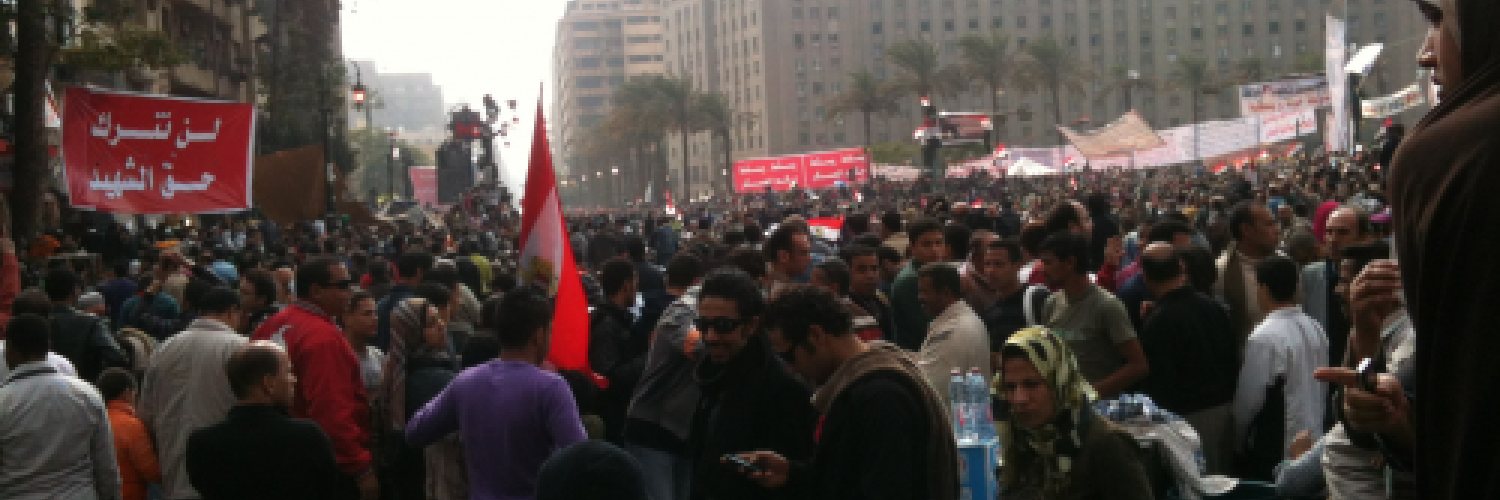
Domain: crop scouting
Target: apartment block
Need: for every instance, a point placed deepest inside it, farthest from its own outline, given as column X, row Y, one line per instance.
column 600, row 44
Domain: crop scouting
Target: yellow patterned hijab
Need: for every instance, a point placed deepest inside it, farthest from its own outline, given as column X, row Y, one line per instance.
column 1042, row 457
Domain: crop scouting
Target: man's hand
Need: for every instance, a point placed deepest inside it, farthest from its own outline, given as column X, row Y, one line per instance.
column 1374, row 295
column 774, row 469
column 1301, row 444
column 1386, row 411
column 369, row 487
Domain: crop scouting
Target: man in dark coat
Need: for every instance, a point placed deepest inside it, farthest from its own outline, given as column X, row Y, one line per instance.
column 750, row 399
column 259, row 451
column 615, row 351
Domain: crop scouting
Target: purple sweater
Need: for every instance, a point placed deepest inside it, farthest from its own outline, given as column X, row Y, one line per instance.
column 511, row 415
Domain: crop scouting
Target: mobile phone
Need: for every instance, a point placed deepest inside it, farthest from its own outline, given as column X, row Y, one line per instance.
column 1367, row 371
column 742, row 463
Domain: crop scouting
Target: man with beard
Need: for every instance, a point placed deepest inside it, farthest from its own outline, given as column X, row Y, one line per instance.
column 884, row 432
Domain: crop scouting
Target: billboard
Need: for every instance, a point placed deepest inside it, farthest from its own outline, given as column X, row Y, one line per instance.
column 1284, row 95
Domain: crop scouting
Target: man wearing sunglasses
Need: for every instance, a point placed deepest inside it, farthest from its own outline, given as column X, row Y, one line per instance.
column 330, row 384
column 750, row 399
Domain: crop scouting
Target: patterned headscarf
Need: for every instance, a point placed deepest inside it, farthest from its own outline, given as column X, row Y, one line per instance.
column 1044, row 456
column 408, row 320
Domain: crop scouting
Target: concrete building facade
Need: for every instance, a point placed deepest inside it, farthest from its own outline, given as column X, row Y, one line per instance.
column 599, row 45
column 780, row 63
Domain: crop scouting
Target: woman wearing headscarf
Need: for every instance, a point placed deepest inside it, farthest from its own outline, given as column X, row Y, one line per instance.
column 1443, row 186
column 1055, row 446
column 417, row 368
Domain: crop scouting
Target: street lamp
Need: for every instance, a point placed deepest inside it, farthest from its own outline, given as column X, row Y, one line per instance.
column 615, row 184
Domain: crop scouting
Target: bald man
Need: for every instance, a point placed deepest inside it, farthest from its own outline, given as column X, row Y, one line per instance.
column 1192, row 349
column 1348, row 226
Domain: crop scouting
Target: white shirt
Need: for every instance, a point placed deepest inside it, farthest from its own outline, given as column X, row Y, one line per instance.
column 955, row 339
column 1290, row 344
column 186, row 389
column 55, row 440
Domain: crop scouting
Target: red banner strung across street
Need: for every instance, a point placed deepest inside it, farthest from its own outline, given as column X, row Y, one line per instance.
column 149, row 154
column 822, row 170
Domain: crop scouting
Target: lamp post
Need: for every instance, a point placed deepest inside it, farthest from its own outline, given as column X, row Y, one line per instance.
column 391, row 162
column 615, row 182
column 326, row 109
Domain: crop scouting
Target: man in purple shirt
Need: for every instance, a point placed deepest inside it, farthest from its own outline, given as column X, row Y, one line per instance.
column 511, row 414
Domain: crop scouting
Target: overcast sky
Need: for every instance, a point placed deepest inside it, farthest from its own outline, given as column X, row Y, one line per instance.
column 471, row 48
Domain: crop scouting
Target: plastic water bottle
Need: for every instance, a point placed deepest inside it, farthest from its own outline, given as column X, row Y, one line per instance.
column 979, row 398
column 958, row 400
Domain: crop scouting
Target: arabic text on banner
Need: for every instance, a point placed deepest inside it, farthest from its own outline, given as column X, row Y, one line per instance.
column 148, row 154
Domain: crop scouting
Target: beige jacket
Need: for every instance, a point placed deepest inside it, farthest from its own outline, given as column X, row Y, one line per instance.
column 955, row 339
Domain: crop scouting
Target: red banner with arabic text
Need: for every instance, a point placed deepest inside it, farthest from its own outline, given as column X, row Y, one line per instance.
column 137, row 153
column 424, row 185
column 822, row 170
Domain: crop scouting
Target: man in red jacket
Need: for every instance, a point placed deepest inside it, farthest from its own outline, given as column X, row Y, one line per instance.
column 330, row 389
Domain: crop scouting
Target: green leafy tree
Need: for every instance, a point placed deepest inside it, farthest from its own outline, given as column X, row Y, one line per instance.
column 866, row 96
column 989, row 60
column 895, row 153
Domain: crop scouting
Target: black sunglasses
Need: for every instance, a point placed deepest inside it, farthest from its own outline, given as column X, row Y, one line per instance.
column 717, row 324
column 344, row 284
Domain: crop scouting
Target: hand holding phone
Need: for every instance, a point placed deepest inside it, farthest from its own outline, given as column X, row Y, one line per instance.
column 742, row 463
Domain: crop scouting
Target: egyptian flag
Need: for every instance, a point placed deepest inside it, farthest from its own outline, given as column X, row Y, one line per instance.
column 547, row 257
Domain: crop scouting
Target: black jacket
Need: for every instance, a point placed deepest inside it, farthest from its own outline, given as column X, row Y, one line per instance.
column 1190, row 343
column 85, row 340
column 871, row 444
column 881, row 309
column 615, row 352
column 259, row 452
column 751, row 403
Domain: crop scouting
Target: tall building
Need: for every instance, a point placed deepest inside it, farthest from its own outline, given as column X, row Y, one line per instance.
column 217, row 39
column 600, row 44
column 401, row 101
column 781, row 62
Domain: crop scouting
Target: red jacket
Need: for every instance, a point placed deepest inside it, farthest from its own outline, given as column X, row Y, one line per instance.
column 330, row 389
column 10, row 287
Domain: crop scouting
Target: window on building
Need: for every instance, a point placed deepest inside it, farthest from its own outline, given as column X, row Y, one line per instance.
column 996, row 23
column 616, row 62
column 797, row 40
column 1020, row 21
column 833, row 12
column 1095, row 40
column 925, row 26
column 587, row 62
column 1046, row 21
column 1249, row 29
column 640, row 58
column 796, row 12
column 1300, row 26
column 973, row 24
column 877, row 28
column 948, row 25
column 1121, row 39
column 586, row 26
column 1196, row 34
column 590, row 82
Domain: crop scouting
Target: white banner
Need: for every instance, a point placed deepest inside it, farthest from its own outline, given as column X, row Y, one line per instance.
column 1283, row 95
column 1337, row 136
column 1402, row 100
column 1279, row 127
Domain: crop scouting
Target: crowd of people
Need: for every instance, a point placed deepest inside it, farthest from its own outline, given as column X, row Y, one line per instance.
column 735, row 351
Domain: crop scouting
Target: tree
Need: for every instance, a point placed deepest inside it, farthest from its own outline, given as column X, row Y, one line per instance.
column 1119, row 80
column 865, row 96
column 107, row 41
column 376, row 166
column 1251, row 70
column 1052, row 66
column 894, row 153
column 1192, row 75
column 1309, row 62
column 718, row 119
column 989, row 60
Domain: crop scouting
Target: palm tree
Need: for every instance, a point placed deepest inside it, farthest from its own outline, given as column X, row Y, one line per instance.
column 718, row 118
column 1052, row 66
column 637, row 101
column 919, row 59
column 1192, row 75
column 865, row 96
column 1127, row 81
column 989, row 60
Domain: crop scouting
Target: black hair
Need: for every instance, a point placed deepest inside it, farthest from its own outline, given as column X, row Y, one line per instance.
column 1199, row 263
column 262, row 284
column 1011, row 247
column 923, row 226
column 868, row 240
column 800, row 307
column 956, row 236
column 837, row 273
column 250, row 365
column 1242, row 213
column 1166, row 231
column 1062, row 216
column 1097, row 204
column 195, row 289
column 503, row 282
column 61, row 284
column 943, row 276
column 856, row 251
column 524, row 312
column 636, row 247
column 32, row 301
column 28, row 335
column 1279, row 275
column 437, row 294
column 781, row 239
column 480, row 347
column 684, row 269
column 857, row 224
column 121, row 268
column 443, row 273
column 317, row 271
column 891, row 221
column 408, row 265
column 1066, row 245
column 1362, row 255
column 1031, row 238
column 753, row 233
column 585, row 393
column 113, row 383
column 736, row 286
column 750, row 261
column 217, row 300
column 615, row 275
column 888, row 254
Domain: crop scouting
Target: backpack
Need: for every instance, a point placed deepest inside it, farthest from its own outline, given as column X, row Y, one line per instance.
column 1033, row 306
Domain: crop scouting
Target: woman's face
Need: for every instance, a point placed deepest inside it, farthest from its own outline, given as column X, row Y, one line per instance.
column 1029, row 395
column 1440, row 51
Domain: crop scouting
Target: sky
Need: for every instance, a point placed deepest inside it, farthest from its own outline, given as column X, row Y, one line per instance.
column 471, row 48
